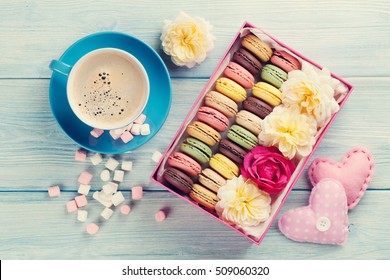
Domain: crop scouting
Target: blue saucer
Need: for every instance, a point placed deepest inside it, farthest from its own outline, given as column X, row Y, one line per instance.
column 156, row 110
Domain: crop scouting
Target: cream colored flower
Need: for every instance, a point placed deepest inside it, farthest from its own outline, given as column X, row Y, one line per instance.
column 188, row 40
column 243, row 203
column 313, row 90
column 289, row 130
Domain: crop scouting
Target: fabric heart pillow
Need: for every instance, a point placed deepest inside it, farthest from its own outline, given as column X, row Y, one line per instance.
column 338, row 187
column 354, row 172
column 324, row 220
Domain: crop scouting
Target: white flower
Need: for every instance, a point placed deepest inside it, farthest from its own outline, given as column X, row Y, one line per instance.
column 188, row 40
column 313, row 90
column 289, row 130
column 243, row 203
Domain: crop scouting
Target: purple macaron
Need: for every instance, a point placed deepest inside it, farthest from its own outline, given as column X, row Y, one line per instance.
column 248, row 61
column 178, row 179
column 232, row 151
column 257, row 107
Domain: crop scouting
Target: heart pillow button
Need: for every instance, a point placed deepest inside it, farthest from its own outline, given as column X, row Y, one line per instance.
column 324, row 220
column 323, row 224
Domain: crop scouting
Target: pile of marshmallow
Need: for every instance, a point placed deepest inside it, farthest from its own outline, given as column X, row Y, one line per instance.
column 108, row 196
column 126, row 134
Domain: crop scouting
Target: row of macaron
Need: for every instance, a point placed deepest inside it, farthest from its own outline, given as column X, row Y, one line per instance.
column 212, row 118
column 256, row 60
column 193, row 154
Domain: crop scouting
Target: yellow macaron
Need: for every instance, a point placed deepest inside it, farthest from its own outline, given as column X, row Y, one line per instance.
column 224, row 166
column 204, row 133
column 257, row 47
column 203, row 196
column 267, row 93
column 231, row 89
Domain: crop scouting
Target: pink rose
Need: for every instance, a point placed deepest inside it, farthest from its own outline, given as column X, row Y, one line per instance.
column 268, row 168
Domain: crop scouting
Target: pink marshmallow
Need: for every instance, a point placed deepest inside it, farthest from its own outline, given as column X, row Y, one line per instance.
column 81, row 200
column 160, row 216
column 71, row 206
column 81, row 155
column 92, row 228
column 137, row 192
column 125, row 209
column 85, row 178
column 126, row 137
column 141, row 119
column 97, row 132
column 54, row 191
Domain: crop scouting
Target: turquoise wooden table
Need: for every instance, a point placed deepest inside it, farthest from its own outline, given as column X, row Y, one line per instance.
column 351, row 38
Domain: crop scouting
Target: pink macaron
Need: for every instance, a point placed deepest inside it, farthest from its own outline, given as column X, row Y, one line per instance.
column 213, row 118
column 239, row 74
column 184, row 163
column 285, row 61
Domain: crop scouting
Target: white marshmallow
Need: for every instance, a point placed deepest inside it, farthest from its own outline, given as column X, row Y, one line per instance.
column 114, row 186
column 119, row 131
column 108, row 189
column 84, row 189
column 127, row 165
column 114, row 135
column 156, row 156
column 102, row 198
column 106, row 213
column 111, row 164
column 136, row 129
column 96, row 159
column 145, row 129
column 118, row 175
column 105, row 175
column 117, row 198
column 82, row 215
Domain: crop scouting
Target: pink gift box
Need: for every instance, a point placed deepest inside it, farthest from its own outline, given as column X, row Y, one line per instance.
column 279, row 199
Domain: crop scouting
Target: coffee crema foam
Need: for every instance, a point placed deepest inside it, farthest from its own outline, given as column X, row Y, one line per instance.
column 108, row 90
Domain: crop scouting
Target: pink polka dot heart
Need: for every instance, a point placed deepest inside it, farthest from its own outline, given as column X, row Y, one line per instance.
column 324, row 220
column 354, row 172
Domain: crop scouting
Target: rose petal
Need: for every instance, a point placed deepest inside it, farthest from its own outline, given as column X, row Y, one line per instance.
column 268, row 168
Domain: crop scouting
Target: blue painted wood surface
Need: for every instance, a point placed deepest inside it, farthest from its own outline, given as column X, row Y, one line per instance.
column 348, row 37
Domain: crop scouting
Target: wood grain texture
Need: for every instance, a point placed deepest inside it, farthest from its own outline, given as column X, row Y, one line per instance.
column 348, row 37
column 341, row 35
column 36, row 145
column 53, row 232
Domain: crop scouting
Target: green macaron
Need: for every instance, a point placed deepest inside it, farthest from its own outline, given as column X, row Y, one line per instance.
column 273, row 75
column 242, row 137
column 196, row 149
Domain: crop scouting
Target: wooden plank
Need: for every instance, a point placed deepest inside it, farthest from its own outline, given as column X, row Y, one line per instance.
column 348, row 37
column 40, row 229
column 343, row 31
column 33, row 144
